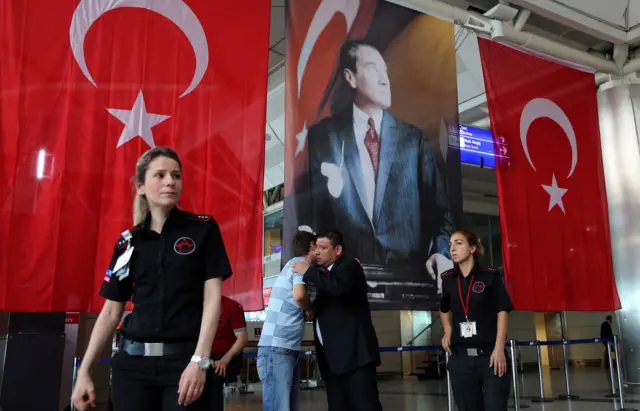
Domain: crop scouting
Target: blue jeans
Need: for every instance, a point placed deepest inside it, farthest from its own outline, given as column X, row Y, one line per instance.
column 279, row 372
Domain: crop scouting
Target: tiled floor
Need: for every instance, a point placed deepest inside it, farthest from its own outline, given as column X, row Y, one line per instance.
column 409, row 394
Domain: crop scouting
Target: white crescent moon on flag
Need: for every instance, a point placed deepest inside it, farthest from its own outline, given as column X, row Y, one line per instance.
column 541, row 108
column 325, row 12
column 88, row 11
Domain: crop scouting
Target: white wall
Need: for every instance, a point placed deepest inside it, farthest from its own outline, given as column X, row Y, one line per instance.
column 522, row 328
column 387, row 325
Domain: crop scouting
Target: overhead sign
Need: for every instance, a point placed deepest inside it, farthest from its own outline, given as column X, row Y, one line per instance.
column 478, row 148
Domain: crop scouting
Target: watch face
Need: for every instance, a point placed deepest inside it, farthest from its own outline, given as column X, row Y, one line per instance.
column 204, row 363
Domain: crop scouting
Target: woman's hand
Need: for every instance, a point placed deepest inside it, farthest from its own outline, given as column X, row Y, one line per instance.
column 446, row 342
column 191, row 384
column 84, row 394
column 498, row 362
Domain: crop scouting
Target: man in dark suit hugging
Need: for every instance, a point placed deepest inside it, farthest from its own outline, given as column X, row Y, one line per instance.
column 345, row 339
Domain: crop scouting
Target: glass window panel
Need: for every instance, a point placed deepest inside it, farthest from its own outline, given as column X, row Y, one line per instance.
column 273, row 233
column 479, row 224
column 496, row 243
column 255, row 316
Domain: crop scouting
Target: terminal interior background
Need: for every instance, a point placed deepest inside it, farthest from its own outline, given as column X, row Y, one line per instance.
column 572, row 22
column 399, row 328
column 396, row 328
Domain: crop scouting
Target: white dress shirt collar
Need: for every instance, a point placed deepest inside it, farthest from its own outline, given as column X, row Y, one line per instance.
column 361, row 121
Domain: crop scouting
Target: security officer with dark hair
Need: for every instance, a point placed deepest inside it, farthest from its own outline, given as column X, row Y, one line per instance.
column 172, row 263
column 474, row 310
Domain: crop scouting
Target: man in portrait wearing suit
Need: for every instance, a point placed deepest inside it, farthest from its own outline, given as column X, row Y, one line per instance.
column 375, row 177
column 346, row 342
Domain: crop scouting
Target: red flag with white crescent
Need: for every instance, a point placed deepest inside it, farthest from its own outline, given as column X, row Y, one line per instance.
column 553, row 203
column 86, row 86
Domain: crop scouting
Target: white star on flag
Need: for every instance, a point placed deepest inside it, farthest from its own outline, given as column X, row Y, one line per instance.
column 555, row 194
column 137, row 121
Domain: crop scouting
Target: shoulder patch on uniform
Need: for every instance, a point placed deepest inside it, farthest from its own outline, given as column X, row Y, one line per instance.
column 447, row 273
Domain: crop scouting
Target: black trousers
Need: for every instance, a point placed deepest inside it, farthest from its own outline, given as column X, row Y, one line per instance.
column 151, row 384
column 354, row 391
column 475, row 386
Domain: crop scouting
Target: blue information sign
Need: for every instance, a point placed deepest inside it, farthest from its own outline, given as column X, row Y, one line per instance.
column 477, row 147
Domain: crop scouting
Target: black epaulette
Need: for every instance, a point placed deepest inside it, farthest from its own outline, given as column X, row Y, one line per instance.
column 125, row 238
column 447, row 273
column 201, row 217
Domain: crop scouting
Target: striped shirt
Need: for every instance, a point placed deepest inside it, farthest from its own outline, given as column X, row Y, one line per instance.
column 284, row 323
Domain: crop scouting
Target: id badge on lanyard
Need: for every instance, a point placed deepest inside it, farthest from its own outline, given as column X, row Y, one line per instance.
column 467, row 328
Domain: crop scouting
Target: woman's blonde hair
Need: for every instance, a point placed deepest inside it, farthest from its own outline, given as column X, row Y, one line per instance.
column 140, row 203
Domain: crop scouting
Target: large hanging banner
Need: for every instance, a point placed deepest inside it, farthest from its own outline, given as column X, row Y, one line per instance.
column 371, row 111
column 85, row 88
column 553, row 202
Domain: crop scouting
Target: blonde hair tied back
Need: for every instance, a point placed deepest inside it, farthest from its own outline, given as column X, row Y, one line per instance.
column 140, row 209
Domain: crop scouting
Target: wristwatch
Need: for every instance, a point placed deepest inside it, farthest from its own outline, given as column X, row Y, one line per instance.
column 204, row 363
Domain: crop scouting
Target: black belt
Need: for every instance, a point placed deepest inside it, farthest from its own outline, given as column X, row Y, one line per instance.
column 472, row 352
column 156, row 349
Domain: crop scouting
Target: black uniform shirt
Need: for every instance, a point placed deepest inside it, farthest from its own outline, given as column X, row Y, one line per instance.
column 487, row 298
column 166, row 278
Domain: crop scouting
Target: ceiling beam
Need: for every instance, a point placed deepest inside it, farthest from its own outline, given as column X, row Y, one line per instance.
column 575, row 19
column 499, row 31
column 633, row 36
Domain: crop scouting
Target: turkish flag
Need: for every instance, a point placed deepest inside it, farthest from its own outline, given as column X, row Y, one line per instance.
column 553, row 204
column 85, row 88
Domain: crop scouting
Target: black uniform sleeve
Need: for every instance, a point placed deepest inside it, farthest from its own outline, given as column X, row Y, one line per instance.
column 499, row 293
column 445, row 300
column 216, row 259
column 115, row 289
column 343, row 279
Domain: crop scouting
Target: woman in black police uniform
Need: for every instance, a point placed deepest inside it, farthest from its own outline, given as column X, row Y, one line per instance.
column 172, row 263
column 474, row 310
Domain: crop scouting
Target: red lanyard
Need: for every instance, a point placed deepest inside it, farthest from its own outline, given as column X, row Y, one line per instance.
column 465, row 305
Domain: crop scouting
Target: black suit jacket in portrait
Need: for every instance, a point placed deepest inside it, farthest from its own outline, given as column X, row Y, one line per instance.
column 342, row 309
column 412, row 215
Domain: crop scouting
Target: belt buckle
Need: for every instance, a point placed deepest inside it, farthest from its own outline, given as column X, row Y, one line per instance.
column 153, row 349
column 472, row 352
